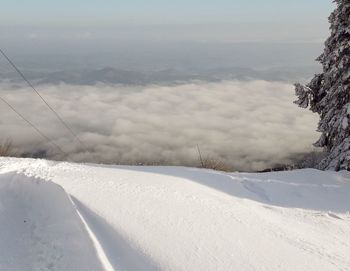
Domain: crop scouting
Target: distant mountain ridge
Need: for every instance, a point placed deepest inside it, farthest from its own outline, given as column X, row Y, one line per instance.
column 110, row 75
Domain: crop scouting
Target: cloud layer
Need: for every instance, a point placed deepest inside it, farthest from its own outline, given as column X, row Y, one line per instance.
column 248, row 125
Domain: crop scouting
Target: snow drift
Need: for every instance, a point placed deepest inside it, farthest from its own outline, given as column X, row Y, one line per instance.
column 172, row 218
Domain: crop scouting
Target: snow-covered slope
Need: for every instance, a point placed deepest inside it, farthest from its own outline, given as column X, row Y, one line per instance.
column 170, row 218
column 40, row 228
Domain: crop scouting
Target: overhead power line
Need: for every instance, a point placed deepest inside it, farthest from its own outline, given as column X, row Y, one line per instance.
column 42, row 98
column 34, row 127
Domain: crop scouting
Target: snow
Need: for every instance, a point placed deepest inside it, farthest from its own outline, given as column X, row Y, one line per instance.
column 40, row 229
column 170, row 218
column 345, row 123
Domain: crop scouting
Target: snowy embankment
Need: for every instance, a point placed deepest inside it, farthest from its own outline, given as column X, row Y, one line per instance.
column 170, row 218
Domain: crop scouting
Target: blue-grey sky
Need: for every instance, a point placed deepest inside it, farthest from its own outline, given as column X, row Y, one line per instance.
column 96, row 12
column 164, row 27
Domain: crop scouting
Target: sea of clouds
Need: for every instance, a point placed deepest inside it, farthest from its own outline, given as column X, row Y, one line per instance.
column 248, row 125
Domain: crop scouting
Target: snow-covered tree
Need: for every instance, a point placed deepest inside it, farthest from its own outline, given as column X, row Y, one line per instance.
column 328, row 93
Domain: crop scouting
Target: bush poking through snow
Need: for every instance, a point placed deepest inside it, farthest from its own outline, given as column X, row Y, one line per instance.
column 215, row 164
column 212, row 163
column 6, row 148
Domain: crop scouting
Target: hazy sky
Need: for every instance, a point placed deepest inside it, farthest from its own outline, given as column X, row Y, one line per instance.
column 99, row 24
column 94, row 12
column 248, row 124
column 144, row 32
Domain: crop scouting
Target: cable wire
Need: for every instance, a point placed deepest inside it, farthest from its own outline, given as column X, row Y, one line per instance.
column 34, row 127
column 42, row 98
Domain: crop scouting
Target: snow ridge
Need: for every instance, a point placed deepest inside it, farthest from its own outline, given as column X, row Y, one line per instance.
column 99, row 250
